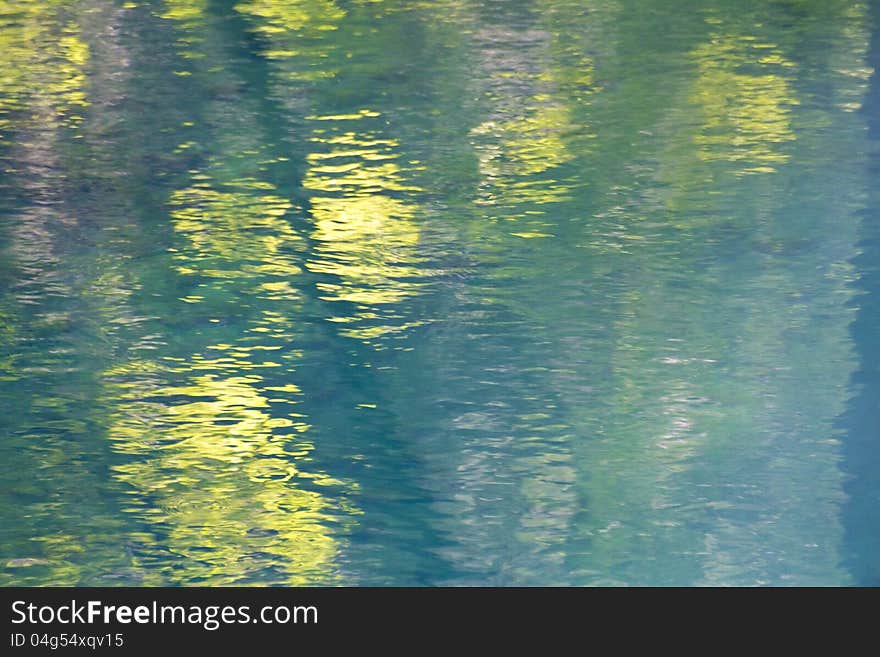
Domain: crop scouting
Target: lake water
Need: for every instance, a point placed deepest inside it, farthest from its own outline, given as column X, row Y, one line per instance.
column 459, row 292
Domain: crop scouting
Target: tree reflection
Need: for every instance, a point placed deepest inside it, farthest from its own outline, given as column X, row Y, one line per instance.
column 47, row 81
column 215, row 442
column 451, row 292
column 861, row 513
column 745, row 100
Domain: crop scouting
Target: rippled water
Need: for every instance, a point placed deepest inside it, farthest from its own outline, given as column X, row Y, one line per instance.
column 439, row 293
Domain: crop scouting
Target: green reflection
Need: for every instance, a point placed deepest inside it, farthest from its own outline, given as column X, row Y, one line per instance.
column 187, row 12
column 42, row 56
column 226, row 490
column 533, row 93
column 360, row 194
column 745, row 100
column 225, row 229
column 216, row 449
column 428, row 293
column 364, row 225
column 299, row 29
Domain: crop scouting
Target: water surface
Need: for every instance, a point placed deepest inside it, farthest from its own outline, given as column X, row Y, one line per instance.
column 460, row 292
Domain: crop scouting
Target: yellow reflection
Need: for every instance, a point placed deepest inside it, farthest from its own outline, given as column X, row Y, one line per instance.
column 42, row 60
column 216, row 447
column 296, row 28
column 514, row 153
column 364, row 223
column 185, row 11
column 745, row 101
column 217, row 450
column 224, row 482
column 528, row 137
column 361, row 204
column 284, row 16
column 528, row 144
column 237, row 232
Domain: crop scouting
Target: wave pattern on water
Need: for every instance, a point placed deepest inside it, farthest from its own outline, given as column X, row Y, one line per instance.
column 455, row 292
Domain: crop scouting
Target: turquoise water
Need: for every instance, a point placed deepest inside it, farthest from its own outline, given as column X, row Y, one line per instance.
column 439, row 293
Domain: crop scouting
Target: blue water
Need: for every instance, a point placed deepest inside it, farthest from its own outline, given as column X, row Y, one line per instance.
column 460, row 292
